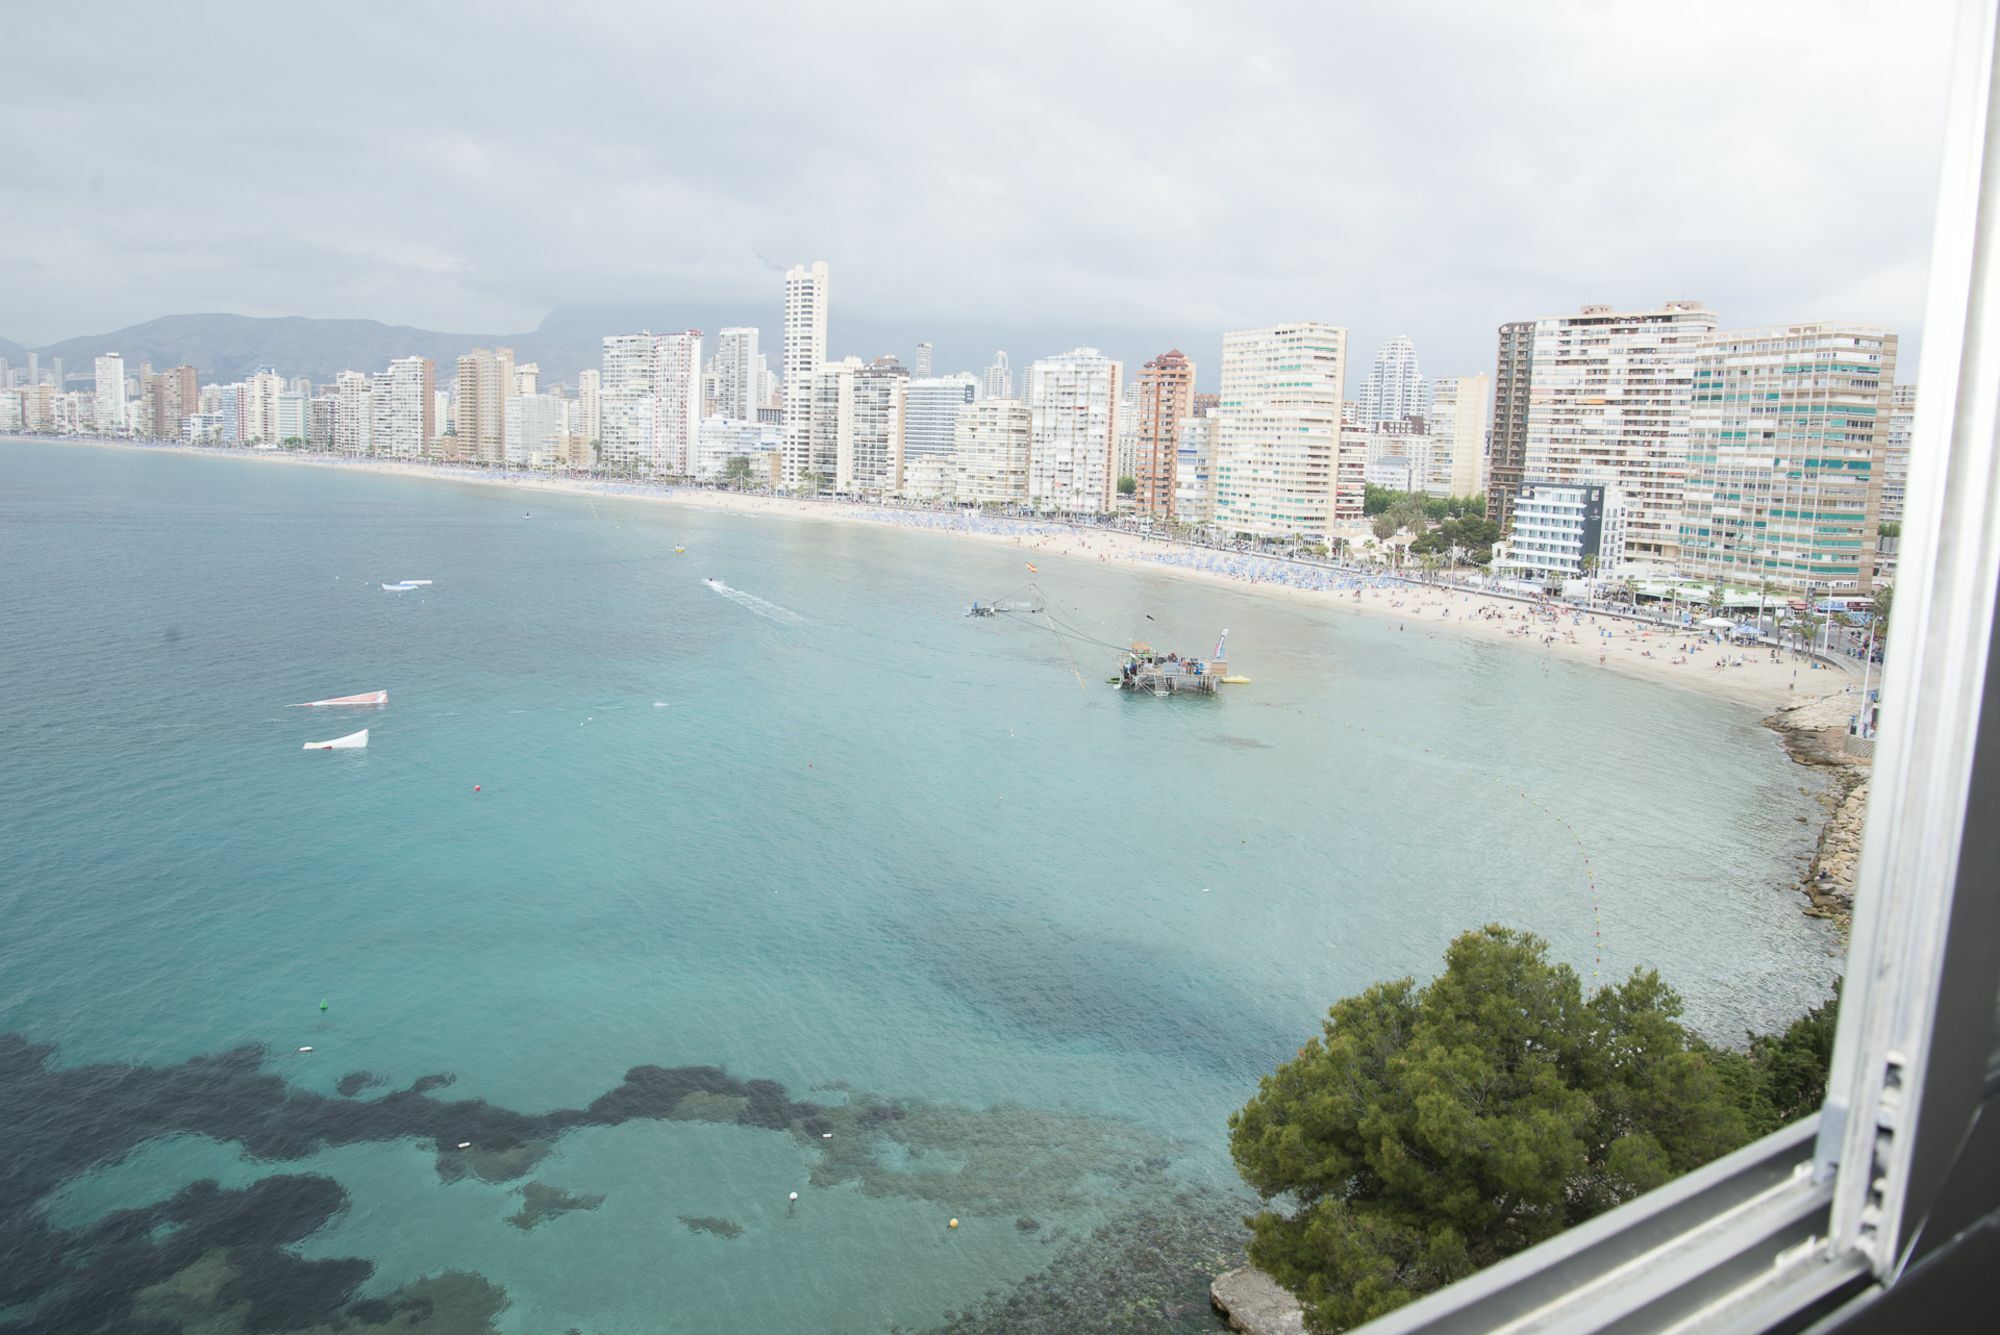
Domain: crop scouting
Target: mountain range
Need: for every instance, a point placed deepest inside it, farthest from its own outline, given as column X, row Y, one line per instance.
column 229, row 347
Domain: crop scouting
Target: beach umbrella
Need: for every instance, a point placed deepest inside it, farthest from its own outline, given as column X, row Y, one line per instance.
column 1719, row 623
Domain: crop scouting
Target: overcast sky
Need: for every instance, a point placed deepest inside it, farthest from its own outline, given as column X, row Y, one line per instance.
column 1421, row 168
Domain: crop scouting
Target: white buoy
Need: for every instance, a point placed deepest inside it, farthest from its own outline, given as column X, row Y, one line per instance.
column 465, row 1144
column 826, row 1135
column 305, row 1049
column 795, row 1195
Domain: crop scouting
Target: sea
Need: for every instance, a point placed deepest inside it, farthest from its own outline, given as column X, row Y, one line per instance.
column 720, row 930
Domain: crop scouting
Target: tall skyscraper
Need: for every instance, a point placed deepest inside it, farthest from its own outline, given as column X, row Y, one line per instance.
column 1073, row 407
column 1194, row 471
column 1395, row 388
column 588, row 385
column 1507, row 453
column 805, row 353
column 677, row 383
column 110, row 394
column 404, row 421
column 1896, row 452
column 930, row 413
column 736, row 365
column 260, row 406
column 479, row 412
column 354, row 413
column 1458, row 421
column 1787, row 430
column 1166, row 396
column 923, row 364
column 171, row 397
column 991, row 452
column 999, row 379
column 877, row 452
column 1278, row 436
column 830, row 427
column 1609, row 403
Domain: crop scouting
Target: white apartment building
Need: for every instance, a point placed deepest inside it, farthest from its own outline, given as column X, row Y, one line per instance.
column 625, row 429
column 405, row 409
column 110, row 396
column 1896, row 452
column 1194, row 471
column 930, row 413
column 724, row 438
column 260, row 407
column 1461, row 412
column 1277, row 434
column 929, row 477
column 1395, row 388
column 805, row 354
column 1564, row 530
column 1608, row 402
column 353, row 414
column 293, row 416
column 736, row 366
column 1399, row 455
column 876, row 453
column 1787, row 431
column 830, row 426
column 991, row 452
column 537, row 431
column 677, row 382
column 1073, row 407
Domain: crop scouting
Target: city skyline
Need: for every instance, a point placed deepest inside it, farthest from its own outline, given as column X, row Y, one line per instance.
column 1071, row 247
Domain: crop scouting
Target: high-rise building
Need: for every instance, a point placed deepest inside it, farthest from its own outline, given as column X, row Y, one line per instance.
column 1460, row 408
column 320, row 414
column 479, row 405
column 625, row 429
column 677, row 382
column 537, row 434
column 589, row 425
column 991, row 452
column 805, row 354
column 110, row 399
column 1507, row 451
column 260, row 406
column 724, row 438
column 930, row 413
column 168, row 398
column 999, row 379
column 1165, row 399
column 404, row 417
column 1896, row 452
column 736, row 364
column 293, row 410
column 830, row 427
column 1073, row 405
column 1609, row 403
column 1786, row 431
column 1194, row 471
column 1278, row 437
column 354, row 413
column 1395, row 389
column 1399, row 454
column 35, row 369
column 1563, row 530
column 923, row 363
column 876, row 456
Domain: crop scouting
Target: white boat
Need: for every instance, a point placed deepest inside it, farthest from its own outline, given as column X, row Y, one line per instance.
column 365, row 698
column 401, row 586
column 416, row 583
column 354, row 741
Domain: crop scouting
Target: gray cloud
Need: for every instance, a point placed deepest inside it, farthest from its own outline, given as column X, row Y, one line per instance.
column 1030, row 171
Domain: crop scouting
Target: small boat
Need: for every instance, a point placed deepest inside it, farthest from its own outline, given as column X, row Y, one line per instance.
column 354, row 741
column 416, row 583
column 401, row 586
column 365, row 698
column 680, row 549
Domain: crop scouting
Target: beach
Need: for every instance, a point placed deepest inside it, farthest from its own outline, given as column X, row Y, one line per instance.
column 1754, row 676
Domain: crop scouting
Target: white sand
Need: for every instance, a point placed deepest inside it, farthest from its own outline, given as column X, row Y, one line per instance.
column 1747, row 676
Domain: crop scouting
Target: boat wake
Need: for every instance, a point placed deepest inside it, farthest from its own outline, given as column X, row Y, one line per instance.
column 763, row 607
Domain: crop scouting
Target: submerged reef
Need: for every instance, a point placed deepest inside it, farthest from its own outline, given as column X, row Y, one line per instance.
column 214, row 1259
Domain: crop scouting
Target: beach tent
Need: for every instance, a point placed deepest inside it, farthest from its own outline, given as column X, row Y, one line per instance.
column 1719, row 623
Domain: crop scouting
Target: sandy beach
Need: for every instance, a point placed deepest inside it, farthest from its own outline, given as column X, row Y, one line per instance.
column 1755, row 676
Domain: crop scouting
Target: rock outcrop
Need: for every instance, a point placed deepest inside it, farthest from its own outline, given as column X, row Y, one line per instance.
column 1253, row 1302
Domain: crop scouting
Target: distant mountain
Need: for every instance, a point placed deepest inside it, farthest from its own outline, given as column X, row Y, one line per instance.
column 228, row 347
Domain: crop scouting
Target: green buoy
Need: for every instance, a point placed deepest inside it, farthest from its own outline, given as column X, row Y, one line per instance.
column 322, row 1003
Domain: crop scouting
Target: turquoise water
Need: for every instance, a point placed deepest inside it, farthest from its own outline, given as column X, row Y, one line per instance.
column 1031, row 939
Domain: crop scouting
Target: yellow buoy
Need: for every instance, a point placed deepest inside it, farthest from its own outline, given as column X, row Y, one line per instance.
column 952, row 1224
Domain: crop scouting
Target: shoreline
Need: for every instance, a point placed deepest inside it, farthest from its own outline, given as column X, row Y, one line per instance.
column 1637, row 649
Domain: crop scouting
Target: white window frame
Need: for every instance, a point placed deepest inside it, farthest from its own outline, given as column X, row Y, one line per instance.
column 1831, row 1214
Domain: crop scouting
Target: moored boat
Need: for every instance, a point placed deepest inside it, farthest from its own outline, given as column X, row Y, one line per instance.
column 352, row 742
column 365, row 698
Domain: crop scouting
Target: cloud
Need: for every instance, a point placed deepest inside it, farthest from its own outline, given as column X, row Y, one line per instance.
column 1179, row 167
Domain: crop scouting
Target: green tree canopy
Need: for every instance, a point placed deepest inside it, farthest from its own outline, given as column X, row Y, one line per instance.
column 1433, row 1130
column 1127, row 485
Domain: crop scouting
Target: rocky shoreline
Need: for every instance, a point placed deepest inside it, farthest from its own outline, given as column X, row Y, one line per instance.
column 1814, row 733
